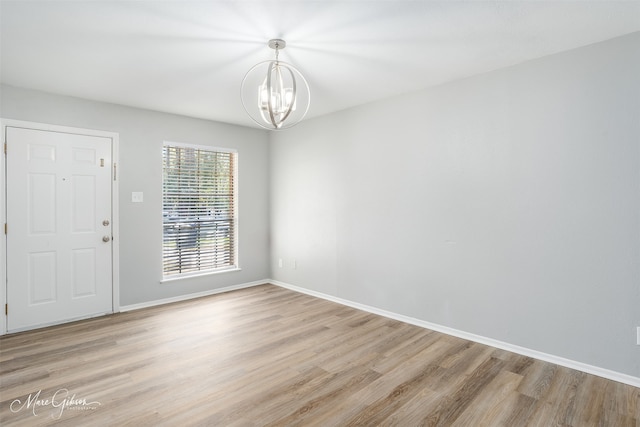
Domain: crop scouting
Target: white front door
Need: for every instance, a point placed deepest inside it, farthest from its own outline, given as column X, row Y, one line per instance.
column 59, row 257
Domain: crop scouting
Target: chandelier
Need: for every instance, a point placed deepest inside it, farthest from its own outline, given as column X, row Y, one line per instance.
column 275, row 94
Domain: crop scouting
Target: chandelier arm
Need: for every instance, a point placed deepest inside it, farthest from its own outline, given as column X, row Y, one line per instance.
column 269, row 90
column 293, row 95
column 242, row 98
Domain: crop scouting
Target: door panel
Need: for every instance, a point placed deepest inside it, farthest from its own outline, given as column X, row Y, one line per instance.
column 83, row 202
column 41, row 205
column 83, row 262
column 58, row 200
column 42, row 275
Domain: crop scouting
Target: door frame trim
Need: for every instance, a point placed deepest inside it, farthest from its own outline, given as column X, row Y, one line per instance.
column 115, row 222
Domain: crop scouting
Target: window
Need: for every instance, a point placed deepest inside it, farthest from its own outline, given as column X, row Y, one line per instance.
column 198, row 209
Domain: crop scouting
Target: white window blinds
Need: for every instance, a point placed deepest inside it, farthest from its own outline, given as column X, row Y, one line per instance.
column 198, row 209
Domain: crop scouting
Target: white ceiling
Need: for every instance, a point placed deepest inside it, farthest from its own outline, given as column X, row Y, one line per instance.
column 189, row 57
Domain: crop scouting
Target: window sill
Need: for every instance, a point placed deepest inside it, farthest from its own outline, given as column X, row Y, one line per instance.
column 190, row 276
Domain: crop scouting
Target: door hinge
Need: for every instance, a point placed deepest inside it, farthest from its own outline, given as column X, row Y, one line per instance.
column 5, row 228
column 6, row 309
column 5, row 148
column 114, row 171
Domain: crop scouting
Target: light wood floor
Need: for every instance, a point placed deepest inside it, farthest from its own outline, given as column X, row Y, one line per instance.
column 269, row 356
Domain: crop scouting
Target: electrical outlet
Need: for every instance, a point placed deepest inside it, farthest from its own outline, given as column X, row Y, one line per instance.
column 294, row 264
column 280, row 262
column 638, row 335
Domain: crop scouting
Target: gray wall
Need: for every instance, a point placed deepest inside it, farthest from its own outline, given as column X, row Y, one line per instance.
column 142, row 133
column 506, row 205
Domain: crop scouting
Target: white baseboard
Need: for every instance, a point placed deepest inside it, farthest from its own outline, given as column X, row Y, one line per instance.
column 572, row 364
column 192, row 296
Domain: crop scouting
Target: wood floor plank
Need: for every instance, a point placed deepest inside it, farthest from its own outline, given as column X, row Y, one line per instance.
column 268, row 356
column 494, row 403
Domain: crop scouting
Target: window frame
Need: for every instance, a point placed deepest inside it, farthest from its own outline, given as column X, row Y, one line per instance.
column 235, row 216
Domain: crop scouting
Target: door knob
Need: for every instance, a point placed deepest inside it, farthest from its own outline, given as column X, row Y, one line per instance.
column 105, row 222
column 106, row 239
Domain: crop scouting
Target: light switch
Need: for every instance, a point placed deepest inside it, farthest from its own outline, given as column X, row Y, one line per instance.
column 137, row 197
